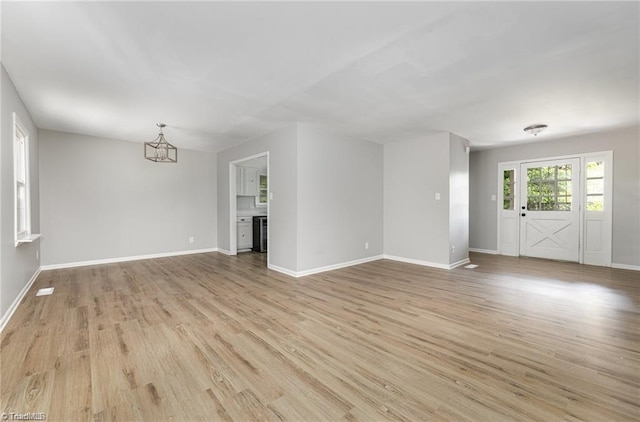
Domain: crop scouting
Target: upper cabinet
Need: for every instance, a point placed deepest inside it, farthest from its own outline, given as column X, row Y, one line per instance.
column 246, row 181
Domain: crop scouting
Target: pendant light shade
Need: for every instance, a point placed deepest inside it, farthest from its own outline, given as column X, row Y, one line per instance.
column 160, row 150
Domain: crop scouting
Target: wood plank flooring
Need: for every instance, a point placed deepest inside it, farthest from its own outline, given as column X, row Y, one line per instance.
column 212, row 337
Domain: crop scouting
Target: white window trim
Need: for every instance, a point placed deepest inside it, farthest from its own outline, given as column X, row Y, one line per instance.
column 26, row 236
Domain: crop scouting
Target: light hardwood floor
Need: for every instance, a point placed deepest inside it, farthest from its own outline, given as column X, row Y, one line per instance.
column 212, row 337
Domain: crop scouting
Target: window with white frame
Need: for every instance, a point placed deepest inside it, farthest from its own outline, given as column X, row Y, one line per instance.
column 21, row 180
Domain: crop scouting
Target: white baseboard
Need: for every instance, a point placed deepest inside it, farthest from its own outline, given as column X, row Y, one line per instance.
column 125, row 259
column 427, row 263
column 224, row 251
column 324, row 269
column 338, row 266
column 487, row 251
column 7, row 315
column 626, row 267
column 459, row 263
column 282, row 270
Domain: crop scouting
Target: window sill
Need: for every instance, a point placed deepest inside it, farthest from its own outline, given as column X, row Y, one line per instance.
column 28, row 239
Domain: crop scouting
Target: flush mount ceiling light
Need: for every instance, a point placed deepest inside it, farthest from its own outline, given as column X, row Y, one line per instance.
column 535, row 129
column 160, row 150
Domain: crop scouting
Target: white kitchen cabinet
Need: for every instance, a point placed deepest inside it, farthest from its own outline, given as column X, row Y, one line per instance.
column 246, row 181
column 244, row 233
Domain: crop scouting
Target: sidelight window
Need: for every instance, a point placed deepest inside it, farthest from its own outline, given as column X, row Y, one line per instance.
column 508, row 190
column 595, row 186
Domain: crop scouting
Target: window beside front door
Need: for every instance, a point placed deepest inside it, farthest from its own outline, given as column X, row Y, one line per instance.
column 508, row 189
column 595, row 185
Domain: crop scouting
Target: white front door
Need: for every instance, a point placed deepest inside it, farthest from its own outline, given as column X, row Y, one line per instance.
column 550, row 209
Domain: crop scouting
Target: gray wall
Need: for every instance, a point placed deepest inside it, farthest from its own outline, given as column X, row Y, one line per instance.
column 101, row 200
column 416, row 226
column 18, row 264
column 282, row 148
column 458, row 198
column 625, row 144
column 339, row 198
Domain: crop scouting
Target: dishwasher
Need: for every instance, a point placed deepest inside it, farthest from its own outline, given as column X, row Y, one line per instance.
column 260, row 233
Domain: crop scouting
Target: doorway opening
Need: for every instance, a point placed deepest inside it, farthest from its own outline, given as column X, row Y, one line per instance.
column 249, row 205
column 557, row 208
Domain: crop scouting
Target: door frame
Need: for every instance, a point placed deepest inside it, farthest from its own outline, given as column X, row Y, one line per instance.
column 607, row 156
column 233, row 241
column 573, row 216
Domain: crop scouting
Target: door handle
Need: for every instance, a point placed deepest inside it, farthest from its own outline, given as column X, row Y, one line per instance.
column 523, row 214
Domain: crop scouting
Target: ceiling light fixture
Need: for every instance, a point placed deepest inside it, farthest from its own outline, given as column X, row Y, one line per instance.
column 535, row 129
column 160, row 150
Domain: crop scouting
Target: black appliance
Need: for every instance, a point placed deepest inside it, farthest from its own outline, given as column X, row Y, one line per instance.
column 259, row 233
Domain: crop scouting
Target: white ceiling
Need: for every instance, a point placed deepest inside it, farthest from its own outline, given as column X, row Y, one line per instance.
column 220, row 73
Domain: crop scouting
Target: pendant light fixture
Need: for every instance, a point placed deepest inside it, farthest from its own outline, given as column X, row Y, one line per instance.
column 160, row 150
column 535, row 129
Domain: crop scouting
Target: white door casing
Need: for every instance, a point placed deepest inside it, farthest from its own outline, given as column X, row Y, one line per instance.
column 550, row 206
column 595, row 206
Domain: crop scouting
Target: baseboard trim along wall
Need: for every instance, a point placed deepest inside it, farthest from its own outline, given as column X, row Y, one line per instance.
column 282, row 270
column 487, row 251
column 427, row 263
column 125, row 259
column 613, row 265
column 7, row 315
column 224, row 251
column 626, row 267
column 324, row 269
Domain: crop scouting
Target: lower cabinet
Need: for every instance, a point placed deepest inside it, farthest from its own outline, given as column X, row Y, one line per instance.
column 244, row 233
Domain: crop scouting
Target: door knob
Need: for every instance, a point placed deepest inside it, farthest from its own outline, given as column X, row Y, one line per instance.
column 523, row 214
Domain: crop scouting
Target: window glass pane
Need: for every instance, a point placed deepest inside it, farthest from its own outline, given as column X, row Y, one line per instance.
column 533, row 174
column 595, row 202
column 508, row 189
column 564, row 172
column 263, row 181
column 595, row 186
column 549, row 188
column 20, row 160
column 21, row 208
column 595, row 169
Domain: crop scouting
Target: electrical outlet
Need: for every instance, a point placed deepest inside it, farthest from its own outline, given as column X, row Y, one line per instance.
column 37, row 255
column 437, row 196
column 366, row 245
column 493, row 197
column 191, row 240
column 453, row 249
